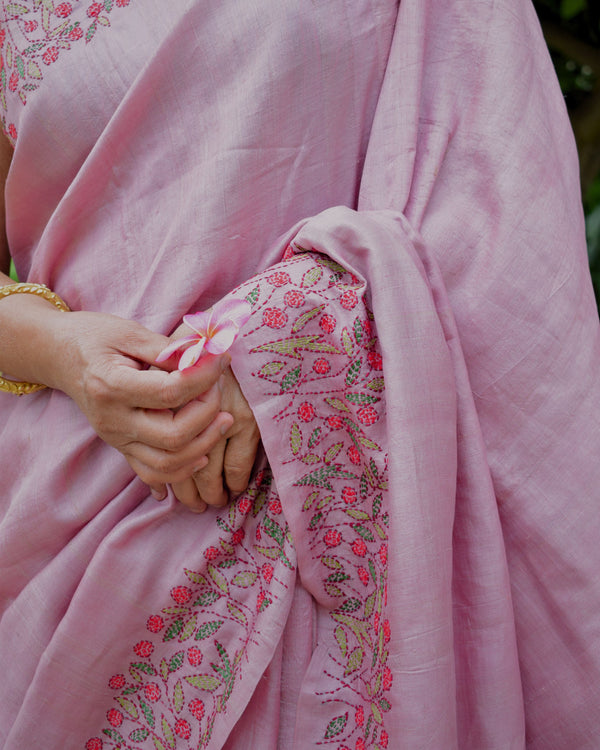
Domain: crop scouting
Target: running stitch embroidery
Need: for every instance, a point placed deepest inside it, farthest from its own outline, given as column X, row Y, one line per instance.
column 33, row 33
column 327, row 378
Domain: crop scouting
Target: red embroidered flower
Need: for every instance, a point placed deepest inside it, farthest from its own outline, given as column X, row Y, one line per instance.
column 181, row 594
column 274, row 317
column 116, row 682
column 12, row 131
column 94, row 744
column 63, row 10
column 210, row 553
column 29, row 27
column 359, row 716
column 288, row 252
column 383, row 554
column 155, row 623
column 75, row 33
column 275, row 506
column 349, row 495
column 359, row 548
column 183, row 729
column 143, row 649
column 260, row 599
column 332, row 538
column 348, row 300
column 360, row 744
column 13, row 82
column 367, row 328
column 387, row 631
column 244, row 505
column 95, row 9
column 279, row 278
column 2, row 36
column 194, row 656
column 267, row 571
column 306, row 412
column 383, row 738
column 50, row 55
column 258, row 534
column 328, row 323
column 367, row 415
column 376, row 619
column 335, row 422
column 388, row 678
column 321, row 366
column 115, row 718
column 196, row 708
column 375, row 360
column 293, row 298
column 354, row 454
column 152, row 692
column 363, row 574
column 238, row 536
column 122, row 3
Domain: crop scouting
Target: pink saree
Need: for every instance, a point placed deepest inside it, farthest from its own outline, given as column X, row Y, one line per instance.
column 415, row 562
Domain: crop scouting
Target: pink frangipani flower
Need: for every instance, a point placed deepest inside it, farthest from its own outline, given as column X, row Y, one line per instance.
column 215, row 331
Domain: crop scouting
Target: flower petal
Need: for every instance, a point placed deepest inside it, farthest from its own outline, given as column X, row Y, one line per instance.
column 192, row 355
column 236, row 310
column 223, row 338
column 175, row 346
column 199, row 321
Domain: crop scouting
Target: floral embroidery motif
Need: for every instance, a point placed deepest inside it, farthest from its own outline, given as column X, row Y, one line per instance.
column 315, row 354
column 33, row 33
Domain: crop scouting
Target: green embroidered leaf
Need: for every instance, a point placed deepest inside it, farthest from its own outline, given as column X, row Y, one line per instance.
column 372, row 571
column 363, row 486
column 377, row 505
column 204, row 682
column 381, row 532
column 177, row 661
column 338, row 577
column 167, row 733
column 324, row 501
column 164, row 669
column 323, row 260
column 376, row 385
column 362, row 398
column 290, row 380
column 252, row 297
column 312, row 276
column 332, row 452
column 14, row 9
column 342, row 640
column 353, row 372
column 138, row 735
column 305, row 317
column 350, row 605
column 271, row 369
column 358, row 627
column 331, row 563
column 104, row 20
column 274, row 531
column 272, row 553
column 178, row 697
column 148, row 713
column 295, row 439
column 195, row 577
column 20, row 66
column 355, row 661
column 358, row 515
column 218, row 578
column 314, row 521
column 347, row 342
column 142, row 666
column 314, row 437
column 322, row 475
column 175, row 610
column 245, row 579
column 108, row 4
column 310, row 500
column 265, row 603
column 114, row 735
column 237, row 612
column 336, row 403
column 358, row 330
column 228, row 549
column 174, row 630
column 376, row 713
column 206, row 630
column 370, row 604
column 90, row 32
column 384, row 704
column 292, row 346
column 310, row 459
column 128, row 706
column 336, row 726
column 208, row 597
column 367, row 442
column 363, row 531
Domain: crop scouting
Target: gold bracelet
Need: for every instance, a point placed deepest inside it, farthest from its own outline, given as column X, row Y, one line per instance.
column 40, row 290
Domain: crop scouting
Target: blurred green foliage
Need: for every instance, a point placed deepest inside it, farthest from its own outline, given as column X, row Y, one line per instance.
column 572, row 30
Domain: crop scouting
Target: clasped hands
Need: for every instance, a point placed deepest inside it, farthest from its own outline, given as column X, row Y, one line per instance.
column 192, row 429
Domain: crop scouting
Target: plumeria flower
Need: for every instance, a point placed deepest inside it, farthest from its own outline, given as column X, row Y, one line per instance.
column 215, row 331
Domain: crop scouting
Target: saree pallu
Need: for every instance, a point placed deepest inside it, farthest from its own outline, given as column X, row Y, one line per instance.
column 414, row 564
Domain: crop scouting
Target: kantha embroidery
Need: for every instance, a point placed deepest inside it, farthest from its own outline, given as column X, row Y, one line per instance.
column 33, row 34
column 315, row 349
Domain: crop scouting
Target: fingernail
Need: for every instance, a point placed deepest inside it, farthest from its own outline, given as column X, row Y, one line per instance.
column 199, row 509
column 157, row 495
column 201, row 464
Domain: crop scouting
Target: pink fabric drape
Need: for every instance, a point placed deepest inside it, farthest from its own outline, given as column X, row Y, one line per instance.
column 415, row 562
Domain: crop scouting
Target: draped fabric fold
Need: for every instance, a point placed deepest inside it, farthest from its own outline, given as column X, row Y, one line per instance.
column 390, row 186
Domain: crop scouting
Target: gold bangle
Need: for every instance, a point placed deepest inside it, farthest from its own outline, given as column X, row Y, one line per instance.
column 19, row 388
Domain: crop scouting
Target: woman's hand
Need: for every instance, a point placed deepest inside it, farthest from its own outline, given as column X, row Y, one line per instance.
column 164, row 423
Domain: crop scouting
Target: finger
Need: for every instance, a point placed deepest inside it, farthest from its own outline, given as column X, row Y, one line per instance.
column 159, row 492
column 156, row 389
column 239, row 458
column 209, row 480
column 187, row 494
column 155, row 478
